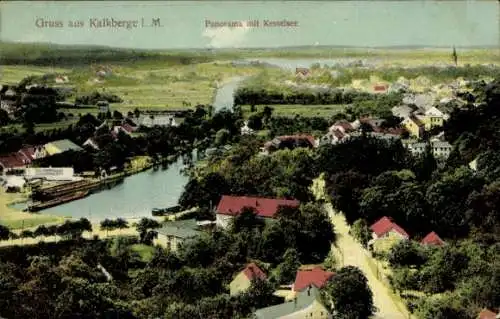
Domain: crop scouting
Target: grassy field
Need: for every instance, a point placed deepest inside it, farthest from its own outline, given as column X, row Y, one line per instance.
column 146, row 252
column 144, row 86
column 15, row 219
column 326, row 111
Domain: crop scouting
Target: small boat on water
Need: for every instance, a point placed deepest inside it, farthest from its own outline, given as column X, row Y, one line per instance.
column 57, row 201
column 166, row 211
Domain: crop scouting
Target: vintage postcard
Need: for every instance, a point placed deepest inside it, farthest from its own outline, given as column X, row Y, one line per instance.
column 250, row 159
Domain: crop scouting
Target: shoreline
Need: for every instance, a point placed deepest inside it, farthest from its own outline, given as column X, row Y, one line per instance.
column 16, row 219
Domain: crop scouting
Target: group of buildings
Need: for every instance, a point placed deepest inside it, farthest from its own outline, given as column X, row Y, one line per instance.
column 414, row 125
column 386, row 233
column 302, row 296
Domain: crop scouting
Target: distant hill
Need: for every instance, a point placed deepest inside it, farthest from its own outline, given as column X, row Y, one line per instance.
column 47, row 54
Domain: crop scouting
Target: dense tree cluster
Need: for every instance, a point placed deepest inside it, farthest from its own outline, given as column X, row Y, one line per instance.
column 283, row 174
column 370, row 179
column 68, row 230
column 94, row 97
column 468, row 271
column 64, row 280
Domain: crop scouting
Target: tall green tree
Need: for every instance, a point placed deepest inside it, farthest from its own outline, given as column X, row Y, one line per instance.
column 350, row 294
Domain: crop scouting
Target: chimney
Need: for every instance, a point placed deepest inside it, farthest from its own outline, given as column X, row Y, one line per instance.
column 309, row 290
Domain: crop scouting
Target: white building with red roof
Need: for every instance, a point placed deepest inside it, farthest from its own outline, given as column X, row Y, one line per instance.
column 386, row 233
column 243, row 280
column 385, row 226
column 231, row 206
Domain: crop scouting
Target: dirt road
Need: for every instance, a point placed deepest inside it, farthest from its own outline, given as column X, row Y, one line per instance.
column 351, row 253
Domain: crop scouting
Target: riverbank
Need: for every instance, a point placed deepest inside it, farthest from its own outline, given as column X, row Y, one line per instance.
column 96, row 231
column 16, row 219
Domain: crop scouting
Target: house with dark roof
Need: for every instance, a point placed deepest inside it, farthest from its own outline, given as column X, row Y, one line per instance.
column 414, row 126
column 243, row 280
column 231, row 206
column 432, row 239
column 386, row 233
column 307, row 304
column 175, row 233
column 317, row 277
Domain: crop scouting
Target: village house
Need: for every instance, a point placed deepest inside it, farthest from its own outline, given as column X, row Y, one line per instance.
column 306, row 278
column 125, row 128
column 402, row 111
column 244, row 278
column 414, row 126
column 175, row 233
column 440, row 149
column 61, row 146
column 103, row 106
column 231, row 206
column 433, row 117
column 8, row 106
column 21, row 158
column 302, row 72
column 386, row 233
column 432, row 239
column 61, row 79
column 288, row 142
column 245, row 130
column 307, row 304
column 342, row 131
column 10, row 93
column 155, row 120
column 91, row 142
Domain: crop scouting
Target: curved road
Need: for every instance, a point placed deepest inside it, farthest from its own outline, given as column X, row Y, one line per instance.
column 351, row 253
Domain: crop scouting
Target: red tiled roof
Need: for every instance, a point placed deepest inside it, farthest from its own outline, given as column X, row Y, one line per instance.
column 313, row 277
column 385, row 225
column 380, row 87
column 128, row 128
column 309, row 138
column 13, row 160
column 486, row 314
column 253, row 271
column 303, row 71
column 345, row 125
column 338, row 134
column 264, row 207
column 395, row 131
column 28, row 151
column 432, row 239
